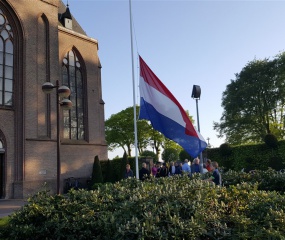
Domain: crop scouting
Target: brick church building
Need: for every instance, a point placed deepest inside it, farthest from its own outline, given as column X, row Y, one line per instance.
column 40, row 41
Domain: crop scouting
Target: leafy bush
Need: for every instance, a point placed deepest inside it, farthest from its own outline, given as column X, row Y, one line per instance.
column 164, row 208
column 269, row 180
column 261, row 156
column 276, row 163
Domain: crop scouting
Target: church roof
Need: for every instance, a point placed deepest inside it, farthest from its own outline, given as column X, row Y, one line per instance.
column 64, row 12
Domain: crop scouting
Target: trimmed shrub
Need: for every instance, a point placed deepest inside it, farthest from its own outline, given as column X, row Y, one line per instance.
column 225, row 150
column 123, row 165
column 271, row 140
column 97, row 172
column 276, row 163
column 164, row 208
column 269, row 180
column 109, row 175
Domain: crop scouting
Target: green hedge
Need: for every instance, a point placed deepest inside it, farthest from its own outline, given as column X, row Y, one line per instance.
column 255, row 156
column 164, row 208
column 117, row 165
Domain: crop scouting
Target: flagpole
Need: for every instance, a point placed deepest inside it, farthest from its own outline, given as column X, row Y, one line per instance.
column 134, row 92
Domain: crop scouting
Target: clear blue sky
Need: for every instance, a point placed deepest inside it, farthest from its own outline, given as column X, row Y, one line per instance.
column 185, row 43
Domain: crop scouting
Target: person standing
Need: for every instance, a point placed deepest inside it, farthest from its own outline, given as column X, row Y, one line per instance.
column 163, row 171
column 195, row 167
column 186, row 168
column 129, row 171
column 178, row 168
column 172, row 169
column 209, row 165
column 144, row 172
column 154, row 170
column 216, row 177
column 158, row 166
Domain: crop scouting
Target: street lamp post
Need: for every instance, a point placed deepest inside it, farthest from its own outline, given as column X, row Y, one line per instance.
column 196, row 92
column 209, row 145
column 61, row 92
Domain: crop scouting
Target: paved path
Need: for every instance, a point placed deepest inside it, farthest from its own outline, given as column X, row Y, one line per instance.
column 8, row 206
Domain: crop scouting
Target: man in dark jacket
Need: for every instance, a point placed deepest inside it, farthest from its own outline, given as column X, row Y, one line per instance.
column 195, row 167
column 143, row 173
column 163, row 171
column 128, row 172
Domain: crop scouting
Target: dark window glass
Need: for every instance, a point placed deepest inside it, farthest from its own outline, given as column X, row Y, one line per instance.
column 4, row 34
column 64, row 76
column 9, row 72
column 8, row 59
column 6, row 62
column 9, row 46
column 72, row 77
column 8, row 85
column 2, row 20
column 8, row 98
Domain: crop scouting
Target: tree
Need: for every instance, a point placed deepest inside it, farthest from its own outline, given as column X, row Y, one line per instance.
column 170, row 154
column 119, row 129
column 184, row 155
column 171, row 144
column 253, row 103
column 151, row 154
column 156, row 141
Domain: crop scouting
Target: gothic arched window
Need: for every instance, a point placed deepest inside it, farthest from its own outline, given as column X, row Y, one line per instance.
column 72, row 77
column 6, row 62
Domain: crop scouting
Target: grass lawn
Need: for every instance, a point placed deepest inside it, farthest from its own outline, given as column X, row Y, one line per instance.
column 3, row 222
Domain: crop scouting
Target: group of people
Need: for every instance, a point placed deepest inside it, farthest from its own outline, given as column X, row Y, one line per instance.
column 176, row 168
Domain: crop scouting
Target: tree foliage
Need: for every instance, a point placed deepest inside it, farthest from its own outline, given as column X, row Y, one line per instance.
column 253, row 103
column 170, row 154
column 184, row 155
column 119, row 129
column 151, row 154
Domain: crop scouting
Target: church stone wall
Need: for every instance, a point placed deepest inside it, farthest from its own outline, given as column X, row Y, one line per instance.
column 29, row 169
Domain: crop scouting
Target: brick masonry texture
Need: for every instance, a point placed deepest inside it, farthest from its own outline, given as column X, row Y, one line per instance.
column 28, row 130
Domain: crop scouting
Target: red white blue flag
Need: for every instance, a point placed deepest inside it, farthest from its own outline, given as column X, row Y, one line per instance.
column 160, row 107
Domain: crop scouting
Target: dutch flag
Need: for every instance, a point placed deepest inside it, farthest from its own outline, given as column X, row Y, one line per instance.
column 160, row 107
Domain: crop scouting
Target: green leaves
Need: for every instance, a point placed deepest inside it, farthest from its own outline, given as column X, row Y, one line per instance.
column 254, row 102
column 164, row 208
